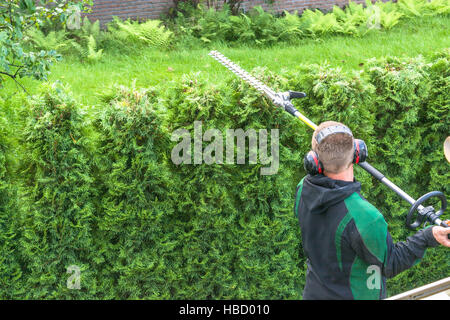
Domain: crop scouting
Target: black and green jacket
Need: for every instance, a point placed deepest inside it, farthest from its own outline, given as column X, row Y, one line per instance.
column 346, row 240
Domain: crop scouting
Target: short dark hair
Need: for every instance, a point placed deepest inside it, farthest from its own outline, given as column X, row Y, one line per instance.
column 335, row 151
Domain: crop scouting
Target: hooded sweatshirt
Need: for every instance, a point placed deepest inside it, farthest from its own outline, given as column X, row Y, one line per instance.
column 349, row 250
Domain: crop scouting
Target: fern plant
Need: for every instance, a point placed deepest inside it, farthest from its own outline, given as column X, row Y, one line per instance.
column 150, row 33
column 290, row 27
column 54, row 40
column 412, row 7
column 439, row 6
column 389, row 19
column 93, row 55
column 214, row 24
column 86, row 30
column 316, row 22
column 242, row 28
column 265, row 25
column 87, row 51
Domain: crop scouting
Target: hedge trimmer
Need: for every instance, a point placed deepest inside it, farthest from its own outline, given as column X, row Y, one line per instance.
column 283, row 100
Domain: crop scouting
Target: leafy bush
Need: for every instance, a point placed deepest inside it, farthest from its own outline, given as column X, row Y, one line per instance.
column 85, row 41
column 10, row 269
column 194, row 26
column 86, row 30
column 240, row 240
column 57, row 208
column 290, row 27
column 140, row 233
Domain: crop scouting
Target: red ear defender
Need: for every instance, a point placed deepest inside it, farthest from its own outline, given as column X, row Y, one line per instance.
column 361, row 152
column 312, row 164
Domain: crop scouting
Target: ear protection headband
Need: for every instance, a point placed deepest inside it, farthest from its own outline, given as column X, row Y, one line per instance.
column 312, row 163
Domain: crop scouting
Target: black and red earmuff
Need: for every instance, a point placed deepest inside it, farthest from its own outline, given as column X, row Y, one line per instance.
column 312, row 164
column 361, row 153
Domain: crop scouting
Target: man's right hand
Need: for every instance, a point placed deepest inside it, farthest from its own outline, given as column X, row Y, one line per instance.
column 441, row 235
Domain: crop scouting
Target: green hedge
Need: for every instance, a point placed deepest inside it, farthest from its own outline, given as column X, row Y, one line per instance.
column 57, row 196
column 98, row 189
column 10, row 271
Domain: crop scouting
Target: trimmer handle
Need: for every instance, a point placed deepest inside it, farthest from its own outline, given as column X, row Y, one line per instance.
column 296, row 95
column 427, row 213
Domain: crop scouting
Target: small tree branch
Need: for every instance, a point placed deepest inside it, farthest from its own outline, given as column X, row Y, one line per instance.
column 14, row 76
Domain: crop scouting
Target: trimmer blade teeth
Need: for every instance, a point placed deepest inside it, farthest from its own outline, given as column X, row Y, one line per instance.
column 241, row 73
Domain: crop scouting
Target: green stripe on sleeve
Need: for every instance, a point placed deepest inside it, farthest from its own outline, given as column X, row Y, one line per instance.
column 299, row 193
column 338, row 237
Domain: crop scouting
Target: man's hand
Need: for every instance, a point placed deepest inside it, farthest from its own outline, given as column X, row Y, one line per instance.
column 441, row 235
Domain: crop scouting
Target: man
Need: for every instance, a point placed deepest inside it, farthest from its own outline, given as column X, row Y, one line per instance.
column 349, row 250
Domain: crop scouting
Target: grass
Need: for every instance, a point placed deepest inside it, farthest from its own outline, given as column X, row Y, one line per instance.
column 149, row 67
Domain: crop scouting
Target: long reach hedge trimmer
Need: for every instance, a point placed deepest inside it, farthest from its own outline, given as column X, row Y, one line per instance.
column 283, row 100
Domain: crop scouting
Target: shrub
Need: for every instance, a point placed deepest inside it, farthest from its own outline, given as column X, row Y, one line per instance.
column 290, row 27
column 241, row 239
column 140, row 235
column 79, row 42
column 10, row 268
column 57, row 208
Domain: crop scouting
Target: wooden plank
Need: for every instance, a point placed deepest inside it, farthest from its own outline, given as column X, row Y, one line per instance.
column 438, row 290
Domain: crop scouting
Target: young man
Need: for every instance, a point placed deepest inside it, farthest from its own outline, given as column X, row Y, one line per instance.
column 349, row 250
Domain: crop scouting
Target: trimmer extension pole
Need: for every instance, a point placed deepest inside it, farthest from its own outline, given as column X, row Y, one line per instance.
column 282, row 99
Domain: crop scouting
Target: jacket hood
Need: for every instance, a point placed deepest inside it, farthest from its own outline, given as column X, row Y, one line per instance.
column 320, row 192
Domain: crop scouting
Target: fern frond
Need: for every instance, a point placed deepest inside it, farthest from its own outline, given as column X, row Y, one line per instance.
column 93, row 55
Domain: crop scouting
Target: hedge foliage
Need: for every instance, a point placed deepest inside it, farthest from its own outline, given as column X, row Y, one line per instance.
column 98, row 189
column 9, row 264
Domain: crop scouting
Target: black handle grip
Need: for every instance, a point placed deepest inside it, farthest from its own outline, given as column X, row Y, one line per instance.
column 374, row 172
column 289, row 107
column 296, row 94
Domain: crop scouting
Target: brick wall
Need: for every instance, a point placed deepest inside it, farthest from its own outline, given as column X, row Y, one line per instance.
column 103, row 10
